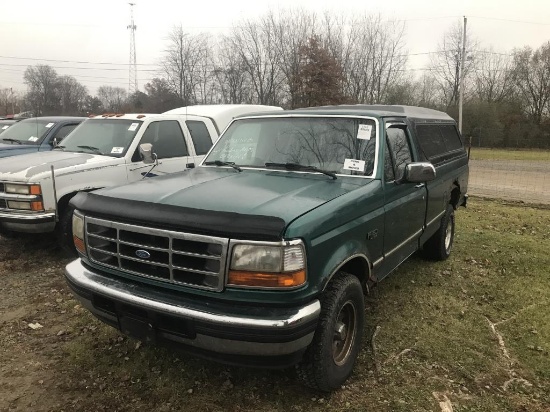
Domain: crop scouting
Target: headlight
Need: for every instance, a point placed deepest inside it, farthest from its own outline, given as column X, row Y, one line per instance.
column 267, row 266
column 21, row 189
column 78, row 233
column 35, row 206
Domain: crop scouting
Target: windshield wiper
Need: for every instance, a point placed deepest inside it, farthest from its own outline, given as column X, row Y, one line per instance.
column 299, row 167
column 12, row 140
column 221, row 163
column 95, row 149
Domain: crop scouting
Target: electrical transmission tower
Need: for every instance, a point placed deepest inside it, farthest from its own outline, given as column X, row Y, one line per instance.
column 132, row 75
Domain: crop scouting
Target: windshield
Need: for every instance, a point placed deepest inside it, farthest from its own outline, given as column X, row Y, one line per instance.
column 341, row 145
column 109, row 137
column 27, row 131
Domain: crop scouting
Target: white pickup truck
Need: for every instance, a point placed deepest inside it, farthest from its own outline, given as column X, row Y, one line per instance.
column 103, row 151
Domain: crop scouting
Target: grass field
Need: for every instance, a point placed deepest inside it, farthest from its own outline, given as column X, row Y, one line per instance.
column 435, row 342
column 478, row 153
column 472, row 332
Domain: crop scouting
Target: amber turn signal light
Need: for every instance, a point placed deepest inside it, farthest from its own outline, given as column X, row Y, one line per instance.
column 35, row 190
column 37, row 206
column 79, row 245
column 266, row 280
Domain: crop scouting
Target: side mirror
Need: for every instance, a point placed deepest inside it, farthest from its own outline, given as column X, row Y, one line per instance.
column 146, row 153
column 54, row 142
column 419, row 172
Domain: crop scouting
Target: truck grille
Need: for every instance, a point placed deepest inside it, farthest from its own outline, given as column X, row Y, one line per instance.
column 173, row 257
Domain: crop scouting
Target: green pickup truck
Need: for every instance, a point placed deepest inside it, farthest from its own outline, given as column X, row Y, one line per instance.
column 263, row 253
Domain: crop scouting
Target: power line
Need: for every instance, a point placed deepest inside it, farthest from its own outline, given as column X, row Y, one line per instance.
column 510, row 20
column 79, row 68
column 74, row 61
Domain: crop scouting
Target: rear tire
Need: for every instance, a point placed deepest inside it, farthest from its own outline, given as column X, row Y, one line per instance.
column 329, row 359
column 440, row 245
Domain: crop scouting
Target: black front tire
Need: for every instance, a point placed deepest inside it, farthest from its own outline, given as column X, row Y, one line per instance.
column 64, row 232
column 439, row 246
column 331, row 356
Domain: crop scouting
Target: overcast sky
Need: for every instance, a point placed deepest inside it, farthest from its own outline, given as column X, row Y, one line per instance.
column 76, row 31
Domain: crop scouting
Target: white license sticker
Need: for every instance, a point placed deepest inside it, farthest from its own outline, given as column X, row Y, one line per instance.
column 353, row 164
column 364, row 131
column 117, row 150
column 33, row 139
column 133, row 127
column 49, row 125
column 5, row 127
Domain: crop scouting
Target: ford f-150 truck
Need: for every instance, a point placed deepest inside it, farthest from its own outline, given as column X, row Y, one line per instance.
column 262, row 254
column 102, row 151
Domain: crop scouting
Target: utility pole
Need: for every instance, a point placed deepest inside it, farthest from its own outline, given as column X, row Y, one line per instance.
column 132, row 67
column 461, row 92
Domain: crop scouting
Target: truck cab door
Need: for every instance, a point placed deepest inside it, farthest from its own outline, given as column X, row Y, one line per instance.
column 170, row 146
column 405, row 203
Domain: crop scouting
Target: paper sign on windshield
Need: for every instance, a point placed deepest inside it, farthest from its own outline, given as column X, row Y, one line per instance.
column 133, row 127
column 364, row 131
column 5, row 127
column 33, row 139
column 117, row 150
column 353, row 164
column 49, row 125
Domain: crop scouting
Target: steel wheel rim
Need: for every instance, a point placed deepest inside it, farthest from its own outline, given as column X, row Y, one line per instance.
column 344, row 333
column 449, row 234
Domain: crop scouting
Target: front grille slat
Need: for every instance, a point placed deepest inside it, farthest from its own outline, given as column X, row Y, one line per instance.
column 178, row 258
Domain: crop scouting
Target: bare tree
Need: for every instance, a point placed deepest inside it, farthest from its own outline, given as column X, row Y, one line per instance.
column 185, row 65
column 231, row 73
column 371, row 51
column 292, row 30
column 493, row 77
column 445, row 64
column 532, row 77
column 72, row 95
column 42, row 97
column 7, row 100
column 112, row 98
column 255, row 44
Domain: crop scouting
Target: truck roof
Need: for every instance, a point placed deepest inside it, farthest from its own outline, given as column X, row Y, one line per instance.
column 373, row 110
column 222, row 114
column 52, row 118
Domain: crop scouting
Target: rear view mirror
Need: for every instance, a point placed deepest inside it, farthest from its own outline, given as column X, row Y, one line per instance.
column 419, row 172
column 146, row 153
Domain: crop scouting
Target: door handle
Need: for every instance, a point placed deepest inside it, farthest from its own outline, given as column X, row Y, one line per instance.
column 418, row 186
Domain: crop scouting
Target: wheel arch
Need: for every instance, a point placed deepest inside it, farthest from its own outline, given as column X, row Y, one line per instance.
column 357, row 265
column 455, row 194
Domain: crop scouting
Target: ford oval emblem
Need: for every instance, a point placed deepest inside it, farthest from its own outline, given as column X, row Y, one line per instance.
column 143, row 254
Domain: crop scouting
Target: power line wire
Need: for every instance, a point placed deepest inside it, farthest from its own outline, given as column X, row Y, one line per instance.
column 73, row 61
column 510, row 20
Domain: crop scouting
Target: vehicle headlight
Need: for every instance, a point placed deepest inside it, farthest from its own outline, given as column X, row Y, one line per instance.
column 23, row 189
column 78, row 233
column 267, row 266
column 18, row 205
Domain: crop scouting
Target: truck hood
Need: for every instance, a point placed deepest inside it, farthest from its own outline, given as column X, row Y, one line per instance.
column 30, row 166
column 7, row 149
column 218, row 199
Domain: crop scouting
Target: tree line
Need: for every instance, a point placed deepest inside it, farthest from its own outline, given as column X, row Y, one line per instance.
column 295, row 58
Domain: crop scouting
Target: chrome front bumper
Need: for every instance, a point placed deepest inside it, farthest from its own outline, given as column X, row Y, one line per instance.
column 213, row 328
